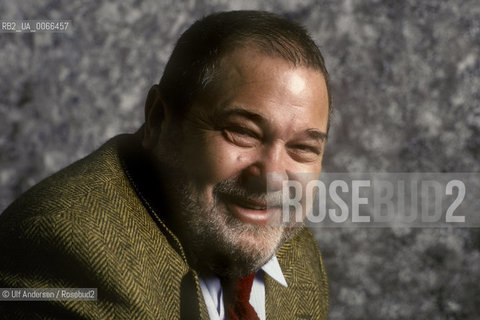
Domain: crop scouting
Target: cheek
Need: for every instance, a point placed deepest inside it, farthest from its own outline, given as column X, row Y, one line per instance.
column 217, row 159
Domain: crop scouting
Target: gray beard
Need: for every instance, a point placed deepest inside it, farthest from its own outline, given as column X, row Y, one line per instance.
column 214, row 240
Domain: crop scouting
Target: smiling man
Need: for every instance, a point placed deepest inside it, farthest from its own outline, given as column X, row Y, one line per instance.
column 180, row 220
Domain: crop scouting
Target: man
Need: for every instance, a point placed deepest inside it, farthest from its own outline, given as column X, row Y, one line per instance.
column 178, row 220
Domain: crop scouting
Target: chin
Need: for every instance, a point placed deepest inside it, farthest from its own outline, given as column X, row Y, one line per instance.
column 242, row 248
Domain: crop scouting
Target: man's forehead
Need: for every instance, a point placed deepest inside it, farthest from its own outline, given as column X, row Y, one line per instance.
column 248, row 73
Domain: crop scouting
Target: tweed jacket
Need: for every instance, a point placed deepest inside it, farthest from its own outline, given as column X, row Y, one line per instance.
column 90, row 226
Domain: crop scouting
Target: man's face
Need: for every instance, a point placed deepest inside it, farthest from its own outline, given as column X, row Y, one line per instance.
column 264, row 123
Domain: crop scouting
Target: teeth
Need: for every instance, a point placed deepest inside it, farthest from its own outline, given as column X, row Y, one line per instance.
column 249, row 205
column 257, row 208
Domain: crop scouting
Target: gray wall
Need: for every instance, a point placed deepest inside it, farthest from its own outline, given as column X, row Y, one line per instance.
column 406, row 87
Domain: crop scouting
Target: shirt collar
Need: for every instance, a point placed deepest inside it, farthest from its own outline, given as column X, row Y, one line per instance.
column 273, row 269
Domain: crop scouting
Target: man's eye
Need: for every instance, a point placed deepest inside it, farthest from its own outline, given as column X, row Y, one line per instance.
column 304, row 152
column 306, row 148
column 241, row 136
column 241, row 131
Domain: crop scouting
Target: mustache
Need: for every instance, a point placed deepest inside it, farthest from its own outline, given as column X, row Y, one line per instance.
column 231, row 188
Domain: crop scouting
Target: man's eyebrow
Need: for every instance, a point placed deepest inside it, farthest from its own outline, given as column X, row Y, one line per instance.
column 316, row 134
column 225, row 113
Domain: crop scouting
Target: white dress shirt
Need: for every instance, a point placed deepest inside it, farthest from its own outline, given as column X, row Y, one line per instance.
column 213, row 295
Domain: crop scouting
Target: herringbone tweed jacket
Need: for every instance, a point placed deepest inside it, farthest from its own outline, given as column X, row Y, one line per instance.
column 90, row 226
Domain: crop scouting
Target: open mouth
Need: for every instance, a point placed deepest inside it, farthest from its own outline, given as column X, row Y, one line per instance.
column 247, row 210
column 249, row 204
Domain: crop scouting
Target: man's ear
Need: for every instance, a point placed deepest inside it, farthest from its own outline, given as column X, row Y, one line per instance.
column 154, row 117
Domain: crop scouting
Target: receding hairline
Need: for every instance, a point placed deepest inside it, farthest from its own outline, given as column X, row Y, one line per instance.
column 213, row 80
column 259, row 45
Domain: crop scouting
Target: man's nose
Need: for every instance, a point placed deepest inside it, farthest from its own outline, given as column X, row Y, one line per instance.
column 268, row 170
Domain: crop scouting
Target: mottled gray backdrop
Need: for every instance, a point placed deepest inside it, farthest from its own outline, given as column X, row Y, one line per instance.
column 406, row 80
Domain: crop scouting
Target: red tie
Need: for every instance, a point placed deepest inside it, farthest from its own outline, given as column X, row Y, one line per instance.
column 236, row 296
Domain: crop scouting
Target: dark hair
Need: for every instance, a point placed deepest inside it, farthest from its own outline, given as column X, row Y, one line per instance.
column 194, row 61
